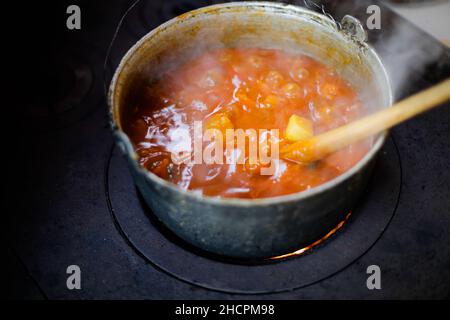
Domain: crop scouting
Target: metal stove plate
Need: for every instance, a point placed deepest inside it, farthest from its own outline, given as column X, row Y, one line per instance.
column 170, row 255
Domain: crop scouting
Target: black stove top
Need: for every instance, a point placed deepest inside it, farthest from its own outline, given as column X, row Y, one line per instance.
column 70, row 199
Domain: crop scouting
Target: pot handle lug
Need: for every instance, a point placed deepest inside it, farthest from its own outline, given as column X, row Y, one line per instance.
column 320, row 9
column 353, row 28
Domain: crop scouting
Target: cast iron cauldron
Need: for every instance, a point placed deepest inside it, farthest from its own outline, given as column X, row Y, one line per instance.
column 259, row 228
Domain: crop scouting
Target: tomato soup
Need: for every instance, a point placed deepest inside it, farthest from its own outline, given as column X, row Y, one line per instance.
column 243, row 89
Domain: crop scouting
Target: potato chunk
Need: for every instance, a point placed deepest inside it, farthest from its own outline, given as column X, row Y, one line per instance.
column 299, row 74
column 329, row 90
column 299, row 128
column 219, row 121
column 292, row 90
column 273, row 79
column 271, row 101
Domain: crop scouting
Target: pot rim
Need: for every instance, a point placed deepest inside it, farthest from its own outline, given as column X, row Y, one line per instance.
column 125, row 144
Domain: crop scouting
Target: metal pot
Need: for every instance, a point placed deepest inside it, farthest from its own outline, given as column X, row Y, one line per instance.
column 266, row 227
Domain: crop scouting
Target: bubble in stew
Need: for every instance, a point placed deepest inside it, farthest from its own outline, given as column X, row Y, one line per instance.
column 243, row 89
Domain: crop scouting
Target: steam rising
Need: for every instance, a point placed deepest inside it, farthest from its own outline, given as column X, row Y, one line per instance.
column 404, row 52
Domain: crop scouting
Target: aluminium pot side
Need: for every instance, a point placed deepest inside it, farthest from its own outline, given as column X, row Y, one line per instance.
column 252, row 228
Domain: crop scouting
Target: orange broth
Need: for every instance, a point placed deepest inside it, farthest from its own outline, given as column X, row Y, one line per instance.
column 255, row 89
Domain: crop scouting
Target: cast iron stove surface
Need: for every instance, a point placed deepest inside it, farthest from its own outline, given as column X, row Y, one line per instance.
column 72, row 201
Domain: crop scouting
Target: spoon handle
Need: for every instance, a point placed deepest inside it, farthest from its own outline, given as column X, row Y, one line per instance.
column 321, row 145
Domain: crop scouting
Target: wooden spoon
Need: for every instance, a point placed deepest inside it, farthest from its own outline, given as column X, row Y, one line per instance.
column 319, row 146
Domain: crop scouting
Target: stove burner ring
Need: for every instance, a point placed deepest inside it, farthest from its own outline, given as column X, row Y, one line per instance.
column 165, row 252
column 73, row 91
column 316, row 243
